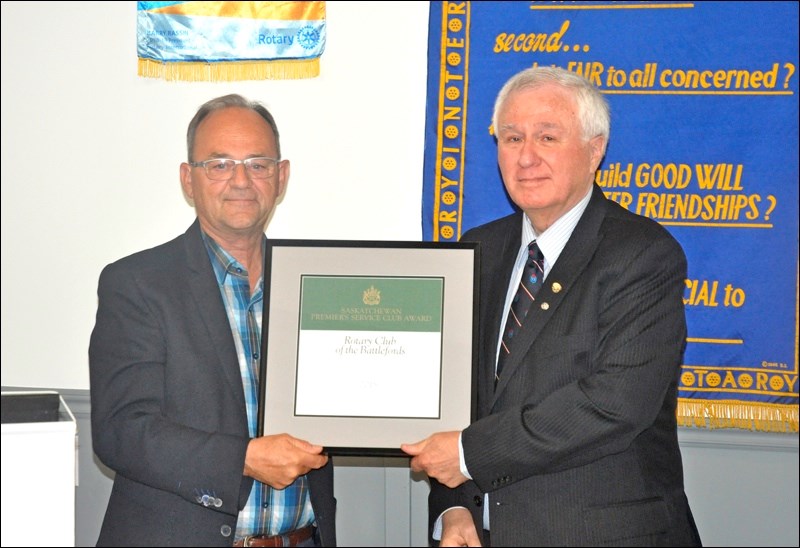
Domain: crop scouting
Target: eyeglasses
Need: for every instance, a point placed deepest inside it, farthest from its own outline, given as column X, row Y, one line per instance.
column 221, row 169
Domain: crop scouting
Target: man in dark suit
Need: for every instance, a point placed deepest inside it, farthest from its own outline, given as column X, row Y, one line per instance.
column 575, row 443
column 173, row 364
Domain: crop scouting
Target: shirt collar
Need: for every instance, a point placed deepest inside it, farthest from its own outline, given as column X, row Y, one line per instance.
column 223, row 262
column 553, row 240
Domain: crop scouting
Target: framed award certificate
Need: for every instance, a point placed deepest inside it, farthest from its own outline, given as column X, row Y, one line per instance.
column 367, row 345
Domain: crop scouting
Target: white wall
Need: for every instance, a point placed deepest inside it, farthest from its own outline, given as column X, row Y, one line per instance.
column 90, row 156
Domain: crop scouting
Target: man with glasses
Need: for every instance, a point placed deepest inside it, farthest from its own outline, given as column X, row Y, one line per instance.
column 174, row 360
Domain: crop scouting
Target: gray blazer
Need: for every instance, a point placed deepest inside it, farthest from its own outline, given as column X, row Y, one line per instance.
column 168, row 409
column 578, row 444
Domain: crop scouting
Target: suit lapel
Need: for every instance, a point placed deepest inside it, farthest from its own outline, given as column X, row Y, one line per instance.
column 496, row 283
column 205, row 291
column 563, row 276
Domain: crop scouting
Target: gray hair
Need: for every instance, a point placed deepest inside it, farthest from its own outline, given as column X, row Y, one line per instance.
column 227, row 101
column 594, row 112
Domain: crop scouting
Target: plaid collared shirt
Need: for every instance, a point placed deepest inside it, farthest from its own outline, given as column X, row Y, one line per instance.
column 268, row 511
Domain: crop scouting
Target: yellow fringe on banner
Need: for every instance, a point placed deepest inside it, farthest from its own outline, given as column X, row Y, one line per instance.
column 230, row 71
column 764, row 417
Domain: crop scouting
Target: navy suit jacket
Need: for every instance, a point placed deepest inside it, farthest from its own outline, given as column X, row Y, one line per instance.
column 168, row 408
column 578, row 443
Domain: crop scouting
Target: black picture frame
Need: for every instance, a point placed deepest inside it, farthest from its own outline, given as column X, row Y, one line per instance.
column 351, row 355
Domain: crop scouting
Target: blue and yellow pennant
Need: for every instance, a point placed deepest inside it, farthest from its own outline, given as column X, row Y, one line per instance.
column 227, row 41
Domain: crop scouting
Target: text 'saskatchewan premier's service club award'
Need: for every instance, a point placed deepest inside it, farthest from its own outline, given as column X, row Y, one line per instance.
column 367, row 345
column 377, row 340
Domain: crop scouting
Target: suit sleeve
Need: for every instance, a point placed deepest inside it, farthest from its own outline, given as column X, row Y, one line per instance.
column 158, row 417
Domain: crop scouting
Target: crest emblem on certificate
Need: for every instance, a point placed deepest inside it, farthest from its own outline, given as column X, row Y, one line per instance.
column 371, row 296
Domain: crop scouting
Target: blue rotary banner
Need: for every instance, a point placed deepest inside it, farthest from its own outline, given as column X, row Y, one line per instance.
column 704, row 139
column 211, row 41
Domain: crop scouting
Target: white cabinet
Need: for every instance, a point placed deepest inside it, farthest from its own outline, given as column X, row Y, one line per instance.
column 39, row 471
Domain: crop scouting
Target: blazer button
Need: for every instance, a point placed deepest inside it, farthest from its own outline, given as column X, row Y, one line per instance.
column 217, row 503
column 478, row 500
column 225, row 530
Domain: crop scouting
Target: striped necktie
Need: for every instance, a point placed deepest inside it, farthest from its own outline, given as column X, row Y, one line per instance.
column 532, row 277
